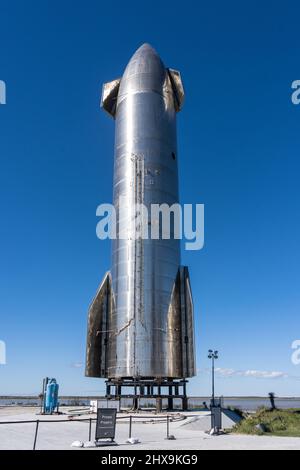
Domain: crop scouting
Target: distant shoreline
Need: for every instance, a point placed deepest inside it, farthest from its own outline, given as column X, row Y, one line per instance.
column 195, row 397
column 243, row 403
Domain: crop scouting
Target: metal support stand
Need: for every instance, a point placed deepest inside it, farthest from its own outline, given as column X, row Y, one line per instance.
column 158, row 405
column 158, row 389
column 184, row 399
column 170, row 399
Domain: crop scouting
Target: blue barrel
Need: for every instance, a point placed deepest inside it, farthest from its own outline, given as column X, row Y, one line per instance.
column 51, row 399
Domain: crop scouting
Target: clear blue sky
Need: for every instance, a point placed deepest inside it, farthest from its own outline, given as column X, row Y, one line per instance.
column 239, row 155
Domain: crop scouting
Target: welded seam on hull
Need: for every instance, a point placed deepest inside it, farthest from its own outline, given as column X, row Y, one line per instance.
column 161, row 329
column 124, row 327
column 122, row 97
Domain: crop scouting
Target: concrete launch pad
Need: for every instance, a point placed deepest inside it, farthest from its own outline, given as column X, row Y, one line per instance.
column 54, row 435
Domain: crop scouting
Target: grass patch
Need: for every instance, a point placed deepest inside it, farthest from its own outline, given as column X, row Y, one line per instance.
column 273, row 423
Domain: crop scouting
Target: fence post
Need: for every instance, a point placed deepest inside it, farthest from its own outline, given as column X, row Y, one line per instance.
column 36, row 433
column 169, row 437
column 130, row 427
column 90, row 429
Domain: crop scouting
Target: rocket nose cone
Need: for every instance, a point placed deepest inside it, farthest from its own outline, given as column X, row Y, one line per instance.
column 146, row 49
column 144, row 70
column 144, row 60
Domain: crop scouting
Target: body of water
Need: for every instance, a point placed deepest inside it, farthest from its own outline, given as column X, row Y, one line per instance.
column 243, row 403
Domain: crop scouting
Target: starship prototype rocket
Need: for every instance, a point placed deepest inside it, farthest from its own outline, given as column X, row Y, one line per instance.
column 140, row 323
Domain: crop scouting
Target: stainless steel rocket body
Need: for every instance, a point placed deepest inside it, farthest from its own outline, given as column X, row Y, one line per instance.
column 145, row 328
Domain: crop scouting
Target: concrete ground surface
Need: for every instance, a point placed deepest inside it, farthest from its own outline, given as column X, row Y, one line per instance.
column 52, row 436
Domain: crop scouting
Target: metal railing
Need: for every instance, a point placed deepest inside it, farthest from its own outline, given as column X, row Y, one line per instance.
column 165, row 418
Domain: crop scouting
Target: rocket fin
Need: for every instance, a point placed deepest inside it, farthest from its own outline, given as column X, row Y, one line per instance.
column 97, row 334
column 109, row 97
column 181, row 327
column 178, row 89
column 187, row 319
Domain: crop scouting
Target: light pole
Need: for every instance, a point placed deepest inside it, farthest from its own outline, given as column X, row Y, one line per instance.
column 213, row 355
